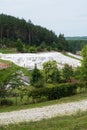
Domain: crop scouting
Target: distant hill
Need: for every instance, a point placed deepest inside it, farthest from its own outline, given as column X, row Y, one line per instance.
column 76, row 38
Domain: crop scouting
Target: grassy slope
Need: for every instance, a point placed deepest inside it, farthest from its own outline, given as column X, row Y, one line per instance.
column 74, row 122
column 72, row 57
column 5, row 73
column 8, row 50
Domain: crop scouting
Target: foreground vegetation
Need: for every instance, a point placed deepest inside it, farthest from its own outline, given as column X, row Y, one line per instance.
column 45, row 85
column 25, row 105
column 74, row 122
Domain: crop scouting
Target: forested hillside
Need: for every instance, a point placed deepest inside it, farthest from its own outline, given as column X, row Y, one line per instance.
column 27, row 37
column 13, row 28
column 76, row 45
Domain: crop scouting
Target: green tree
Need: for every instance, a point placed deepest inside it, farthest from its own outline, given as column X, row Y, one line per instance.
column 3, row 91
column 19, row 45
column 52, row 74
column 37, row 78
column 84, row 64
column 67, row 72
column 15, row 84
column 62, row 43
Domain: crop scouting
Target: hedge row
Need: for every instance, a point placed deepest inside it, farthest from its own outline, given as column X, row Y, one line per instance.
column 55, row 92
column 59, row 90
column 6, row 102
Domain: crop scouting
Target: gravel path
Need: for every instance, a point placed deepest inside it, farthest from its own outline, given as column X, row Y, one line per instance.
column 45, row 112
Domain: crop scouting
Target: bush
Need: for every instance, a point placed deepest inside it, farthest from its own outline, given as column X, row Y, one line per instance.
column 62, row 90
column 32, row 49
column 55, row 92
column 6, row 102
column 81, row 87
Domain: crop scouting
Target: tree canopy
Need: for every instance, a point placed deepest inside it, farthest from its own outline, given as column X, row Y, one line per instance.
column 12, row 29
column 52, row 75
column 84, row 64
column 37, row 79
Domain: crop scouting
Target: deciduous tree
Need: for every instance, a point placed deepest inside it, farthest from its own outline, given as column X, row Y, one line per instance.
column 52, row 74
column 84, row 64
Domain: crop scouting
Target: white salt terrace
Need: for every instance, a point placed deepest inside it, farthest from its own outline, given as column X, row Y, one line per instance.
column 29, row 60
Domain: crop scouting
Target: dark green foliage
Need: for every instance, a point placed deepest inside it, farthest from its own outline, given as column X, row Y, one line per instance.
column 55, row 92
column 37, row 78
column 58, row 91
column 67, row 72
column 3, row 91
column 63, row 45
column 76, row 45
column 6, row 102
column 19, row 45
column 14, row 28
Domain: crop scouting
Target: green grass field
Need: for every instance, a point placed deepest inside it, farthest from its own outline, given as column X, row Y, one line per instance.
column 8, row 50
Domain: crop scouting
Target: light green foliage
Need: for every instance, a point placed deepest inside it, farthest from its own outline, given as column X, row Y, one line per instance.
column 32, row 49
column 52, row 74
column 84, row 64
column 67, row 72
column 77, row 73
column 15, row 81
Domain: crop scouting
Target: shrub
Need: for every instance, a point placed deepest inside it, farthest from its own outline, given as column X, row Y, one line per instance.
column 81, row 87
column 55, row 92
column 6, row 102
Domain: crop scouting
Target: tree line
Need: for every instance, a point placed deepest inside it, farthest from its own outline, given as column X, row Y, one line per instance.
column 14, row 28
column 31, row 36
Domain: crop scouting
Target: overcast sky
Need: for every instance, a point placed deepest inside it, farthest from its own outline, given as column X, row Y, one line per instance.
column 68, row 17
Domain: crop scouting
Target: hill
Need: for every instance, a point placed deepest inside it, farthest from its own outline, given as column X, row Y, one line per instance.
column 22, row 34
column 13, row 28
column 76, row 38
